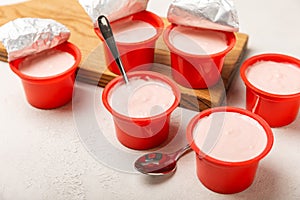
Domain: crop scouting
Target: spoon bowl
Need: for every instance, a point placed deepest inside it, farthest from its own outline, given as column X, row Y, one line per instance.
column 157, row 163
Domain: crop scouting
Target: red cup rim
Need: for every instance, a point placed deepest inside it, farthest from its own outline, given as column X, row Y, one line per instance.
column 142, row 16
column 77, row 56
column 261, row 121
column 231, row 39
column 154, row 75
column 268, row 57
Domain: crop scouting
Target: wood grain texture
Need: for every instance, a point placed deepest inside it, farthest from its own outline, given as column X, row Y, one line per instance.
column 93, row 68
column 67, row 12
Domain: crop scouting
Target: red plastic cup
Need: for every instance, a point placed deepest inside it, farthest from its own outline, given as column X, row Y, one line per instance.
column 277, row 110
column 223, row 176
column 134, row 56
column 141, row 133
column 52, row 91
column 197, row 71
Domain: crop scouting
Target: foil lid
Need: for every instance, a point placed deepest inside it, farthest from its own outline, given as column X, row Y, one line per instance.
column 112, row 9
column 210, row 14
column 25, row 36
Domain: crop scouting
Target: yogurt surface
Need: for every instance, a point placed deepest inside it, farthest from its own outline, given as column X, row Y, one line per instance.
column 141, row 98
column 47, row 63
column 133, row 31
column 197, row 41
column 275, row 77
column 231, row 137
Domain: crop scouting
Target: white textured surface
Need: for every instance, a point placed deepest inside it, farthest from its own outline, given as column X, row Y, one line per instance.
column 41, row 156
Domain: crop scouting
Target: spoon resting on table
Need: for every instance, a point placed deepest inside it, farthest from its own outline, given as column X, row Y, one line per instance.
column 157, row 163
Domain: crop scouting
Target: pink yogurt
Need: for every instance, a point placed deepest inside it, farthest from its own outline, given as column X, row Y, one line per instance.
column 240, row 137
column 142, row 98
column 133, row 31
column 198, row 41
column 274, row 77
column 47, row 63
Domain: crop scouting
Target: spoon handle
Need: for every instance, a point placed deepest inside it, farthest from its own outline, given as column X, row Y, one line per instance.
column 181, row 152
column 107, row 33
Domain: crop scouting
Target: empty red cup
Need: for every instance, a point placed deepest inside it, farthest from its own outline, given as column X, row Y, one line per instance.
column 134, row 56
column 223, row 176
column 146, row 132
column 278, row 110
column 197, row 71
column 51, row 91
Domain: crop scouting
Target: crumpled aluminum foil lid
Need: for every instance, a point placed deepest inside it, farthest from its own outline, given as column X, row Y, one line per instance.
column 112, row 9
column 25, row 36
column 210, row 14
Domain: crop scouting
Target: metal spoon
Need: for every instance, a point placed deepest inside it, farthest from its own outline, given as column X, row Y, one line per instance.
column 107, row 33
column 159, row 163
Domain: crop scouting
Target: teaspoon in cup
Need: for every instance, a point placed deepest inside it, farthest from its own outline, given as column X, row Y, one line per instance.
column 159, row 163
column 107, row 34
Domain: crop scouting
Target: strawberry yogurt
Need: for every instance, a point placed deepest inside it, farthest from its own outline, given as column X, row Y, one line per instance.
column 133, row 31
column 142, row 98
column 239, row 137
column 197, row 41
column 275, row 77
column 47, row 63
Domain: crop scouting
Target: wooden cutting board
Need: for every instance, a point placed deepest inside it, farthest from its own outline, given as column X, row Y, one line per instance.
column 93, row 69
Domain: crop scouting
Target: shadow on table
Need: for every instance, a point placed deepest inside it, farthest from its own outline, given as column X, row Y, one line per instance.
column 266, row 185
column 154, row 180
